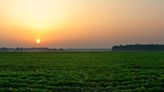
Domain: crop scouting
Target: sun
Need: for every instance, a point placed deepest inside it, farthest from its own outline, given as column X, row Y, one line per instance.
column 38, row 41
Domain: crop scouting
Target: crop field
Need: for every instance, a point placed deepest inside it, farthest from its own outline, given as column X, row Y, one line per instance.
column 82, row 71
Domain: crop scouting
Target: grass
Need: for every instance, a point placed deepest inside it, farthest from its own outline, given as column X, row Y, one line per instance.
column 82, row 71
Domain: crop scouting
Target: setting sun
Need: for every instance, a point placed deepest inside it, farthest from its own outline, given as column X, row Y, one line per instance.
column 38, row 41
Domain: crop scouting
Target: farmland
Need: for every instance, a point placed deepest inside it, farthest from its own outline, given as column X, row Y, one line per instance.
column 82, row 71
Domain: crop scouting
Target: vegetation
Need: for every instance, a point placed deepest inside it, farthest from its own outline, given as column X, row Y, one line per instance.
column 82, row 71
column 139, row 47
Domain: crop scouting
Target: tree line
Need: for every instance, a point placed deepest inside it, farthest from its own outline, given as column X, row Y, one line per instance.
column 28, row 49
column 139, row 47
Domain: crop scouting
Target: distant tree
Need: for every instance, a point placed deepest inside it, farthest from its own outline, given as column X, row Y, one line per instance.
column 61, row 49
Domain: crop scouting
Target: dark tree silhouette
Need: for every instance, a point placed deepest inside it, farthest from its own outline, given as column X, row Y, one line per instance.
column 139, row 47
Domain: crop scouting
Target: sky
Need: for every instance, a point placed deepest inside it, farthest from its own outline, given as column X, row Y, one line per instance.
column 80, row 23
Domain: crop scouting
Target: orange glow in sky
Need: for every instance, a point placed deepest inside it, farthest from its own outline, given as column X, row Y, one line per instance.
column 80, row 23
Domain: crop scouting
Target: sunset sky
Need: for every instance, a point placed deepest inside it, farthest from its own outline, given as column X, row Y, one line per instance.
column 80, row 23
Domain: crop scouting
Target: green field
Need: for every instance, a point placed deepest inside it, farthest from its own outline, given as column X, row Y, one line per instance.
column 82, row 71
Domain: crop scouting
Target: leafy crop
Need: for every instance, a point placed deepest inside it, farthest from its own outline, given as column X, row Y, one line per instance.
column 82, row 71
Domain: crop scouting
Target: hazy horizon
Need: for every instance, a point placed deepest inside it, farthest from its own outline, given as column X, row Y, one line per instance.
column 80, row 23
